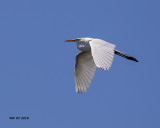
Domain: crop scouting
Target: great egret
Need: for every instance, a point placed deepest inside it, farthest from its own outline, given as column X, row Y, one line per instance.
column 95, row 53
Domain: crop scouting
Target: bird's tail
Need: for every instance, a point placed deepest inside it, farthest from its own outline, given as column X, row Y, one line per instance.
column 125, row 55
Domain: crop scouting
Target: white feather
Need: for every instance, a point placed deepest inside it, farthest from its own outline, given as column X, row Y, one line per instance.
column 84, row 71
column 102, row 52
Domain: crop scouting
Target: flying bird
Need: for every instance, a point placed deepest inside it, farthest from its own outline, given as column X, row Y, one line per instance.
column 94, row 53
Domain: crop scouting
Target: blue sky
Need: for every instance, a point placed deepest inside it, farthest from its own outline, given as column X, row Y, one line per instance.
column 37, row 66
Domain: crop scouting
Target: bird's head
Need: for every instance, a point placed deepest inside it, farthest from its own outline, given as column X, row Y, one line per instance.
column 86, row 39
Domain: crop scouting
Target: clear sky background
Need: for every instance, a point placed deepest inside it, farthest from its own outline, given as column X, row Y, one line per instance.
column 37, row 66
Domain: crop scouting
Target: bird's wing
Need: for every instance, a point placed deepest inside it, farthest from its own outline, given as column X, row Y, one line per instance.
column 84, row 71
column 102, row 52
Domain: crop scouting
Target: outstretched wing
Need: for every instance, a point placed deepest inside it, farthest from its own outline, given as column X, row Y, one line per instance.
column 102, row 52
column 84, row 71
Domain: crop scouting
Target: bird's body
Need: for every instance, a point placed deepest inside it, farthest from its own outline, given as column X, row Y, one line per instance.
column 84, row 45
column 94, row 53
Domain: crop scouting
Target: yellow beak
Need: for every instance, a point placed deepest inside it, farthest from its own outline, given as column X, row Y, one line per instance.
column 72, row 40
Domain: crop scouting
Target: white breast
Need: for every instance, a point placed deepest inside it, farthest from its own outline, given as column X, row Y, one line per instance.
column 83, row 46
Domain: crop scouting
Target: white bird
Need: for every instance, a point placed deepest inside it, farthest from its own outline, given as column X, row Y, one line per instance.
column 95, row 53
